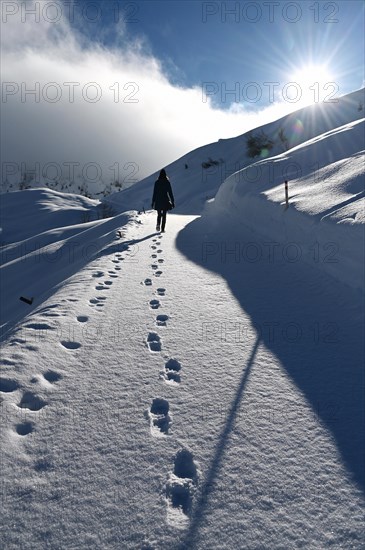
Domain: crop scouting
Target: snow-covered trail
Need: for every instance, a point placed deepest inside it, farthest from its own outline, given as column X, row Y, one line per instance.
column 150, row 403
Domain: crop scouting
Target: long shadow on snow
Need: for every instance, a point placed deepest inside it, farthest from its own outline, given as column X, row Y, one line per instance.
column 325, row 358
column 9, row 329
column 215, row 465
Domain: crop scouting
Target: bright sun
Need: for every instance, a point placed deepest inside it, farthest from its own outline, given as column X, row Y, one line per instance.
column 314, row 83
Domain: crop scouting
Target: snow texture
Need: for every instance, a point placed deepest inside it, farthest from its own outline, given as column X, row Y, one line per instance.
column 197, row 389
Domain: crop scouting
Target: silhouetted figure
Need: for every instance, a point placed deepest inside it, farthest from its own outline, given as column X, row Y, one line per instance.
column 162, row 200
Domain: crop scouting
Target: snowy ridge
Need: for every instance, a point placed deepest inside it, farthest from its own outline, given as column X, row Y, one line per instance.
column 326, row 201
column 36, row 265
column 25, row 214
column 325, row 166
column 194, row 185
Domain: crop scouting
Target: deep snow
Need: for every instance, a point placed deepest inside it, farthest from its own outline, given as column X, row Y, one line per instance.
column 267, row 405
column 200, row 389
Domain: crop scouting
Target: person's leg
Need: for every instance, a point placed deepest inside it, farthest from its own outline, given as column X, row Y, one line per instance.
column 159, row 212
column 163, row 220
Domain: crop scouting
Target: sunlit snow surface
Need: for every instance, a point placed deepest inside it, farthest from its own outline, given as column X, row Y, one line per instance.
column 202, row 388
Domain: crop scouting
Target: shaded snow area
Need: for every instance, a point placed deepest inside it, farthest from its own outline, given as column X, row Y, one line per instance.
column 164, row 397
column 201, row 388
column 325, row 218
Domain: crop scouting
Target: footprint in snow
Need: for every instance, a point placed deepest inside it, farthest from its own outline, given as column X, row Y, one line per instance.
column 161, row 320
column 39, row 326
column 98, row 274
column 70, row 345
column 159, row 417
column 24, row 428
column 118, row 268
column 180, row 489
column 51, row 314
column 82, row 318
column 109, row 283
column 159, row 251
column 8, row 361
column 158, row 273
column 154, row 304
column 160, row 261
column 17, row 341
column 32, row 348
column 154, row 266
column 153, row 255
column 153, row 247
column 52, row 376
column 32, row 402
column 147, row 282
column 102, row 287
column 172, row 372
column 154, row 342
column 161, row 291
column 8, row 385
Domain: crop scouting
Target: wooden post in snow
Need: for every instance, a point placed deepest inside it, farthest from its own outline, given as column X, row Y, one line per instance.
column 286, row 195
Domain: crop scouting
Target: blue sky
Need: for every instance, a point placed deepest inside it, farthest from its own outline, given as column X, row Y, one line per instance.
column 153, row 80
column 237, row 42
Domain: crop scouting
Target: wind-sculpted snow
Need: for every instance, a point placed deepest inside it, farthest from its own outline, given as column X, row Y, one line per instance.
column 325, row 219
column 35, row 271
column 39, row 215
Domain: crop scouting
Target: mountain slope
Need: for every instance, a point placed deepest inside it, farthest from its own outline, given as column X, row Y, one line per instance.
column 194, row 185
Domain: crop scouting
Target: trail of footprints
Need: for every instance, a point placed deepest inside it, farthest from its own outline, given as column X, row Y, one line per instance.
column 29, row 401
column 183, row 479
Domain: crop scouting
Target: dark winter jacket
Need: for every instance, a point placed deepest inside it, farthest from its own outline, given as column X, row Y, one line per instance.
column 163, row 198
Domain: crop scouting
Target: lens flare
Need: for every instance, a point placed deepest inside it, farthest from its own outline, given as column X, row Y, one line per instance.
column 313, row 83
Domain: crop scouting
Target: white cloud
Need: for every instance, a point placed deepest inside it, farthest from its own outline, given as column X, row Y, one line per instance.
column 153, row 123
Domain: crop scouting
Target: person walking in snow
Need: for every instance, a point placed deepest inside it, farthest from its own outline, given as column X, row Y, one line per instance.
column 162, row 200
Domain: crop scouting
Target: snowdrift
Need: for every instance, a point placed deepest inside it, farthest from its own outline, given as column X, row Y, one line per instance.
column 44, row 249
column 325, row 219
column 24, row 214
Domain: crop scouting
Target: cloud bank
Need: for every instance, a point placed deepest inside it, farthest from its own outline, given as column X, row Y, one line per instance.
column 71, row 104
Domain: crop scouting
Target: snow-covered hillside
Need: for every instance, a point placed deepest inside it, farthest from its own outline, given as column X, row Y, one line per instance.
column 198, row 389
column 325, row 220
column 195, row 184
column 325, row 168
column 46, row 237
